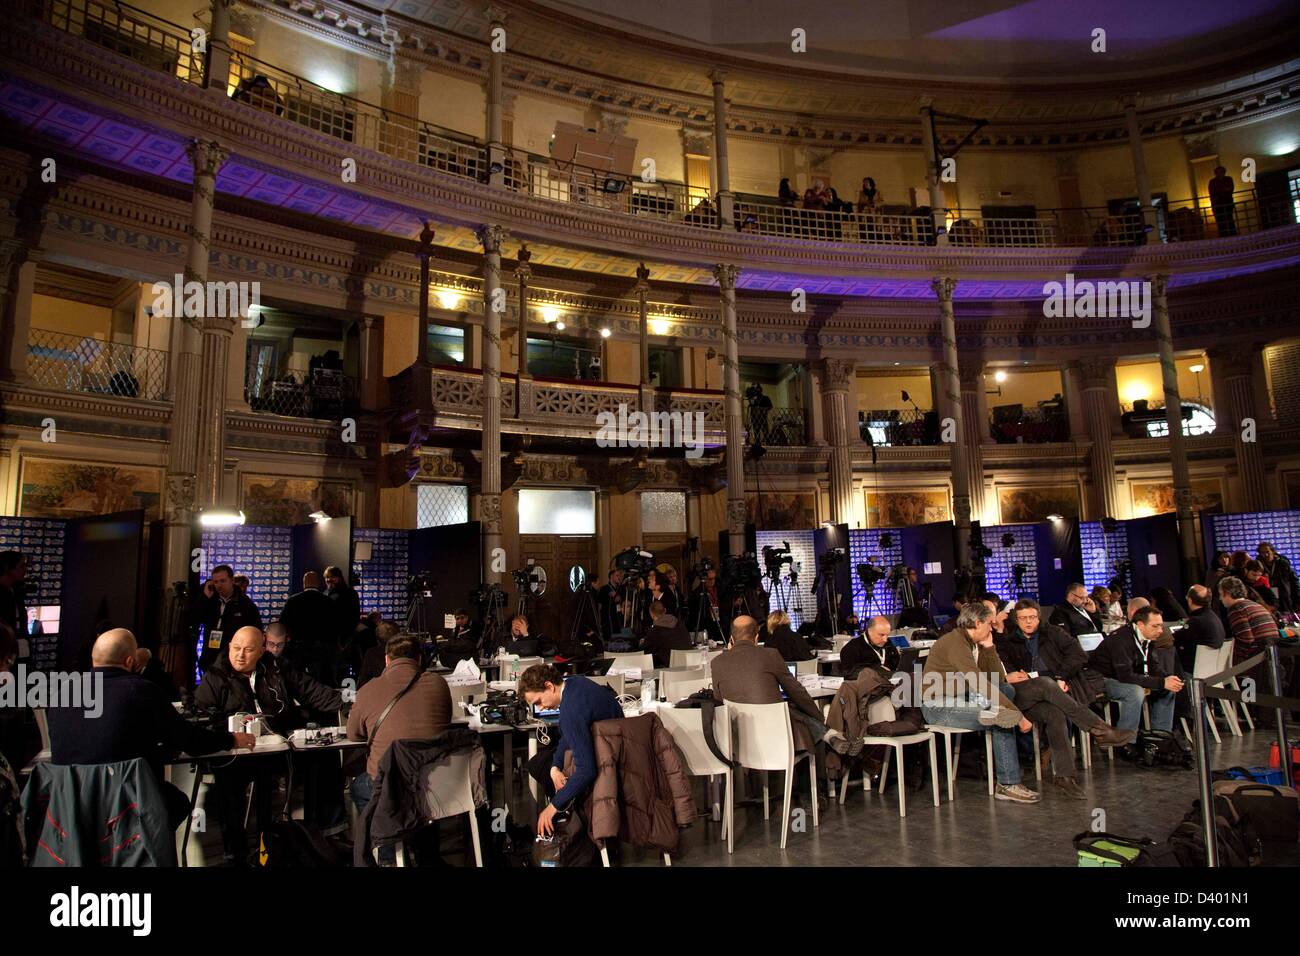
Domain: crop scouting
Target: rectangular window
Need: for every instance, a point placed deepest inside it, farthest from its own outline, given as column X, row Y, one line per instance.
column 556, row 358
column 666, row 368
column 557, row 511
column 446, row 345
column 663, row 512
column 437, row 505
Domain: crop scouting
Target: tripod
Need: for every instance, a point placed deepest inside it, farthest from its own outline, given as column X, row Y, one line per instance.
column 829, row 600
column 494, row 628
column 586, row 604
column 417, row 617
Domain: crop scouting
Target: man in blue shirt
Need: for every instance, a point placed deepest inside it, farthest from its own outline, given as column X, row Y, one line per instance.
column 581, row 703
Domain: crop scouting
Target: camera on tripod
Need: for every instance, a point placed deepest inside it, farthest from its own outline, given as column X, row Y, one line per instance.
column 869, row 574
column 420, row 584
column 897, row 573
column 530, row 579
column 488, row 596
column 830, row 560
column 775, row 558
column 1124, row 566
column 634, row 563
column 740, row 572
column 1019, row 571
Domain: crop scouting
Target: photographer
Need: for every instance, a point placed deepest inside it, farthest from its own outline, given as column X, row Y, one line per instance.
column 703, row 613
column 760, row 406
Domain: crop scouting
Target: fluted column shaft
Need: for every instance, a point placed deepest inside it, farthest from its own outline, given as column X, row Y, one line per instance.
column 726, row 202
column 217, row 72
column 490, row 495
column 1236, row 370
column 495, row 100
column 643, row 316
column 1174, row 418
column 726, row 275
column 961, row 498
column 837, row 378
column 973, row 428
column 1094, row 384
column 524, row 274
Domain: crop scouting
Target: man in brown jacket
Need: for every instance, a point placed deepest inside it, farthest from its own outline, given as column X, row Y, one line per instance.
column 960, row 687
column 424, row 711
column 749, row 674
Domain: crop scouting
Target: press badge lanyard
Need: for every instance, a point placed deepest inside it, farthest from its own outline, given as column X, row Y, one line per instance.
column 214, row 638
column 1144, row 649
column 878, row 651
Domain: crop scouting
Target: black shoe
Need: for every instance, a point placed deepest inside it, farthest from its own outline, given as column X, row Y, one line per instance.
column 1069, row 787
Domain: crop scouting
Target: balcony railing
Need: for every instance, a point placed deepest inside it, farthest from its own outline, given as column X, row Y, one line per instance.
column 1033, row 426
column 320, row 393
column 126, row 30
column 75, row 363
column 899, row 426
column 777, row 427
column 168, row 48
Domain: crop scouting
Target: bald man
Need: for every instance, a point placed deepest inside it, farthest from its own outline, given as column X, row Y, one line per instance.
column 136, row 721
column 1204, row 627
column 872, row 650
column 311, row 620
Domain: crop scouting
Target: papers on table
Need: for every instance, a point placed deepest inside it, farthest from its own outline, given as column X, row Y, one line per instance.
column 466, row 672
column 813, row 682
column 629, row 673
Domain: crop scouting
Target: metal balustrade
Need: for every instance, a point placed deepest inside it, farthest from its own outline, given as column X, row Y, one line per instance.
column 126, row 30
column 76, row 363
column 1034, row 426
column 777, row 427
column 168, row 48
column 899, row 426
column 321, row 393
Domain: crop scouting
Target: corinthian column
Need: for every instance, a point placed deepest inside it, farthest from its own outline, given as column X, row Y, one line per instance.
column 1095, row 378
column 726, row 275
column 961, row 503
column 491, row 237
column 1235, row 369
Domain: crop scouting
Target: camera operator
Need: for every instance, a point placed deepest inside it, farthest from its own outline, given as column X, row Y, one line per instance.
column 659, row 588
column 221, row 608
column 703, row 613
column 760, row 406
column 610, row 601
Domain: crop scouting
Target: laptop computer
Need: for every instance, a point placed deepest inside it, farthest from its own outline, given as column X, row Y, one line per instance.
column 1091, row 642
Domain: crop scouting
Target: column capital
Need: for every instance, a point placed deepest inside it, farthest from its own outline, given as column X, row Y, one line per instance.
column 717, row 77
column 643, row 279
column 496, row 15
column 943, row 287
column 490, row 237
column 524, row 271
column 836, row 374
column 426, row 241
column 1094, row 371
column 207, row 155
column 1232, row 363
column 726, row 274
column 970, row 369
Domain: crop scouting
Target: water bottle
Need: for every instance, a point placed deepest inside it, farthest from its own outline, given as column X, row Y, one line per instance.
column 647, row 692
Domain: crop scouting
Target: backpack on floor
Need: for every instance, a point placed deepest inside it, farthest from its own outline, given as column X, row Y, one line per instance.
column 1238, row 844
column 1159, row 748
column 1273, row 812
column 1109, row 849
column 294, row 843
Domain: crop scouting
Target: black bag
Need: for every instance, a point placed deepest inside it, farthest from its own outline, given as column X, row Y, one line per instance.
column 1158, row 748
column 705, row 701
column 569, row 845
column 1238, row 844
column 294, row 843
column 507, row 846
column 1273, row 812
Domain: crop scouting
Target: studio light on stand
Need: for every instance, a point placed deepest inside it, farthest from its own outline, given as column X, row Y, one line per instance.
column 220, row 517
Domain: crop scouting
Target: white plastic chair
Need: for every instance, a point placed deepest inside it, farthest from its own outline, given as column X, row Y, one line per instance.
column 1225, row 661
column 645, row 662
column 883, row 710
column 948, row 733
column 614, row 681
column 838, row 642
column 765, row 741
column 678, row 685
column 687, row 729
column 686, row 658
column 805, row 667
column 451, row 793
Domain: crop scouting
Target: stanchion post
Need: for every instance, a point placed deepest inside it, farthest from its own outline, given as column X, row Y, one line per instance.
column 1283, row 745
column 1202, row 748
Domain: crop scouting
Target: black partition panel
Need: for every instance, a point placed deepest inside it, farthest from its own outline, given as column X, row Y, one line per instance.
column 451, row 555
column 101, row 581
column 930, row 549
column 1059, row 559
column 751, row 541
column 318, row 545
column 826, row 539
column 1153, row 549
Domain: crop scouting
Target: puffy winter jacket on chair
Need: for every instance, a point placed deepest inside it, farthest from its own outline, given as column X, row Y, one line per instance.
column 104, row 814
column 642, row 793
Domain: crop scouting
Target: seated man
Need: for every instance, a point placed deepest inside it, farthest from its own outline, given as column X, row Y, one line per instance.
column 421, row 709
column 277, row 642
column 960, row 688
column 581, row 703
column 246, row 680
column 874, row 651
column 1036, row 658
column 791, row 646
column 1126, row 661
column 1252, row 627
column 464, row 640
column 1078, row 615
column 135, row 719
column 749, row 674
column 375, row 660
column 1204, row 627
column 666, row 634
column 1134, row 605
column 521, row 641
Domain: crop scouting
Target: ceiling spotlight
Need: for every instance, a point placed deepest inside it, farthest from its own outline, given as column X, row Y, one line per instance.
column 1196, row 369
column 604, row 331
column 220, row 517
column 559, row 325
column 448, row 299
column 496, row 168
column 613, row 185
column 1055, row 517
column 999, row 376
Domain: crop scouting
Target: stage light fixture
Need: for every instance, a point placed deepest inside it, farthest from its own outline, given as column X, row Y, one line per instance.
column 614, row 186
column 220, row 517
column 604, row 331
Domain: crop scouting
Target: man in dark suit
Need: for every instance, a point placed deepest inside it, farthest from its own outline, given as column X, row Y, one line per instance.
column 873, row 650
column 1131, row 667
column 1078, row 615
column 1204, row 627
column 311, row 621
column 749, row 674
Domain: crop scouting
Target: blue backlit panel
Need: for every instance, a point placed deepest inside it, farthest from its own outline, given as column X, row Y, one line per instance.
column 864, row 545
column 795, row 598
column 261, row 552
column 381, row 580
column 41, row 541
column 1102, row 551
column 999, row 575
column 1244, row 532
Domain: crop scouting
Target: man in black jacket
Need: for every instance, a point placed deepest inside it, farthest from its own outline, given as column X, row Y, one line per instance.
column 1131, row 667
column 610, row 600
column 135, row 720
column 666, row 634
column 249, row 681
column 1078, row 615
column 1281, row 576
column 347, row 606
column 1204, row 627
column 1049, row 650
column 874, row 651
column 312, row 621
column 222, row 609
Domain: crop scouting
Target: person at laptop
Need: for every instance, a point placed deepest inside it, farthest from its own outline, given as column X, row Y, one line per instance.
column 749, row 674
column 581, row 703
column 874, row 650
column 1127, row 661
column 791, row 646
column 1204, row 627
column 666, row 634
column 1078, row 615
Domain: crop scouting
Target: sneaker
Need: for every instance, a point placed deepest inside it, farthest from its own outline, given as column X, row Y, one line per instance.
column 843, row 745
column 1069, row 787
column 1108, row 736
column 1017, row 793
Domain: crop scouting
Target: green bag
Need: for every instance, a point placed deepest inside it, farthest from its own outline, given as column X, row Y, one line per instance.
column 1108, row 849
